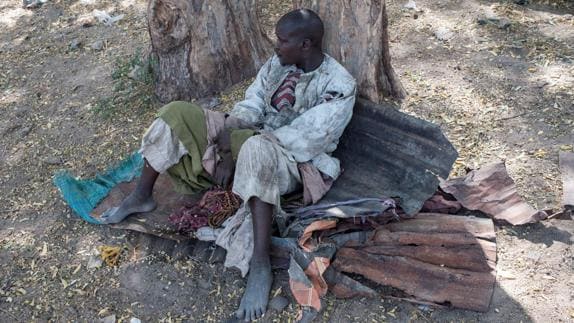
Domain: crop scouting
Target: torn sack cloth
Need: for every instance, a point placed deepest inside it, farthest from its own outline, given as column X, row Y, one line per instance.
column 300, row 116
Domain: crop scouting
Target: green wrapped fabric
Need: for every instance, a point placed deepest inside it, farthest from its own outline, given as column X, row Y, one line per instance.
column 188, row 122
column 238, row 137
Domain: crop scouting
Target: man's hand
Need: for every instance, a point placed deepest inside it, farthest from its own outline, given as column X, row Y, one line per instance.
column 224, row 170
column 236, row 123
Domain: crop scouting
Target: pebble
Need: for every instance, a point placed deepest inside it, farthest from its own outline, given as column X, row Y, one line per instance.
column 443, row 33
column 135, row 320
column 25, row 131
column 501, row 23
column 53, row 160
column 410, row 5
column 94, row 262
column 109, row 319
column 97, row 45
column 278, row 303
column 75, row 44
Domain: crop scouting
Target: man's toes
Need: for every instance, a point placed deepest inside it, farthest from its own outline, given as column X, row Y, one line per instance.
column 252, row 315
column 109, row 212
column 240, row 313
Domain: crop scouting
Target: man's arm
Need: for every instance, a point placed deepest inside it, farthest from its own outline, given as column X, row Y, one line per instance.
column 252, row 108
column 318, row 129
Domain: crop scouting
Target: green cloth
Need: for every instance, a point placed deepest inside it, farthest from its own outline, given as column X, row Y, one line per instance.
column 238, row 137
column 188, row 122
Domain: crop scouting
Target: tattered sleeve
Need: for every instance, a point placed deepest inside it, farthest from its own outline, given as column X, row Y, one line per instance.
column 318, row 129
column 252, row 108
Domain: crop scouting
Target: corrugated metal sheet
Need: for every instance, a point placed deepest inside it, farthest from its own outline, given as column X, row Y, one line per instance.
column 491, row 190
column 385, row 152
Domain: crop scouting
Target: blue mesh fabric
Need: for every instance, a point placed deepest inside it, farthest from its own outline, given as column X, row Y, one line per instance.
column 83, row 195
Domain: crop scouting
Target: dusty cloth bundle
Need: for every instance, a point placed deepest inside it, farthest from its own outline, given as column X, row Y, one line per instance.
column 216, row 206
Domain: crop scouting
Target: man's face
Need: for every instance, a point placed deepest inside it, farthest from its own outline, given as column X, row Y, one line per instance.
column 289, row 47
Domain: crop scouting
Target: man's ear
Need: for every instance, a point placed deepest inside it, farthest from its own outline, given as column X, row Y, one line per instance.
column 306, row 44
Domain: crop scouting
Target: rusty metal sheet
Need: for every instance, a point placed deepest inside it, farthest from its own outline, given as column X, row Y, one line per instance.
column 567, row 170
column 449, row 261
column 441, row 223
column 442, row 285
column 491, row 190
column 343, row 286
column 385, row 152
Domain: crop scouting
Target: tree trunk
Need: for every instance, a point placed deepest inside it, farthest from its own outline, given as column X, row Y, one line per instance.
column 203, row 47
column 356, row 35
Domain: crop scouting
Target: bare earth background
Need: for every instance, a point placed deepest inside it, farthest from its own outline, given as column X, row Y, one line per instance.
column 501, row 88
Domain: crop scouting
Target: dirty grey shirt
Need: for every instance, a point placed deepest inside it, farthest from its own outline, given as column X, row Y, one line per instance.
column 310, row 131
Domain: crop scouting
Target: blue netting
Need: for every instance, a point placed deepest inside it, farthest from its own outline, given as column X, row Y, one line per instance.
column 83, row 195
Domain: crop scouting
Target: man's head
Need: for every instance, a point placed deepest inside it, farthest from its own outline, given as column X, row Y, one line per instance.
column 299, row 35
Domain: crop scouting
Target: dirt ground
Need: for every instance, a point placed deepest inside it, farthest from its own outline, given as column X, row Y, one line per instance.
column 497, row 76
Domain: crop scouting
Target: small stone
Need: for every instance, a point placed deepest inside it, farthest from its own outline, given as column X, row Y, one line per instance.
column 501, row 23
column 410, row 5
column 94, row 262
column 135, row 320
column 443, row 34
column 75, row 44
column 278, row 303
column 32, row 4
column 109, row 319
column 86, row 22
column 25, row 131
column 97, row 45
column 53, row 160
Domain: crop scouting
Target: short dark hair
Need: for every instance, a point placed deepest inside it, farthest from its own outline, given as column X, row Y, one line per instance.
column 305, row 23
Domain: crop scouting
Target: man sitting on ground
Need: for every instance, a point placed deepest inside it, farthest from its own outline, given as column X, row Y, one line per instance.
column 279, row 137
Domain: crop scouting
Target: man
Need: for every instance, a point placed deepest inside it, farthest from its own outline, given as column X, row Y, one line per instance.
column 278, row 138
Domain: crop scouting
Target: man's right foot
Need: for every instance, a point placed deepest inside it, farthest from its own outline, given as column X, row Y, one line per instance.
column 254, row 301
column 130, row 205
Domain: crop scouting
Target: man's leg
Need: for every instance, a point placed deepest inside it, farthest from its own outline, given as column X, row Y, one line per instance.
column 263, row 173
column 140, row 199
column 254, row 301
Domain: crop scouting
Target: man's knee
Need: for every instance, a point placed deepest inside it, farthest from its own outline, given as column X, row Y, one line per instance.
column 179, row 107
column 256, row 145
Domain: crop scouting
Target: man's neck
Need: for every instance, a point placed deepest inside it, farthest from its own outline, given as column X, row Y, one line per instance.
column 312, row 62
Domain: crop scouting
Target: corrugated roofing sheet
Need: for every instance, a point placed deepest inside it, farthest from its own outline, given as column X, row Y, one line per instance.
column 385, row 152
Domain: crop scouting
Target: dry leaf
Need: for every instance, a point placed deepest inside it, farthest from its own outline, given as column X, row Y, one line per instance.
column 44, row 252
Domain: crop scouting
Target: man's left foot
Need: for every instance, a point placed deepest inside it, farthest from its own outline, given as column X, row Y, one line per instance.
column 254, row 301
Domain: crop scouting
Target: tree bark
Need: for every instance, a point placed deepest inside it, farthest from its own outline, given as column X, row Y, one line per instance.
column 356, row 35
column 203, row 47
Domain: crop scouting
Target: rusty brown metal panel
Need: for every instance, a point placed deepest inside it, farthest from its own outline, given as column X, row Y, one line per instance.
column 469, row 257
column 445, row 259
column 442, row 223
column 460, row 288
column 388, row 153
column 491, row 190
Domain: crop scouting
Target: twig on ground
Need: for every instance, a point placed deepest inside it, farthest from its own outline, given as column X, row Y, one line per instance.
column 415, row 301
column 512, row 117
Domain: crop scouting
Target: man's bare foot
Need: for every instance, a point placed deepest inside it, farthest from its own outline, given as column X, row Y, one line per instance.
column 134, row 203
column 254, row 301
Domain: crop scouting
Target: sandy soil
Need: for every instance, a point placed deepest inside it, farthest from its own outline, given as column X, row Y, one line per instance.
column 500, row 90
